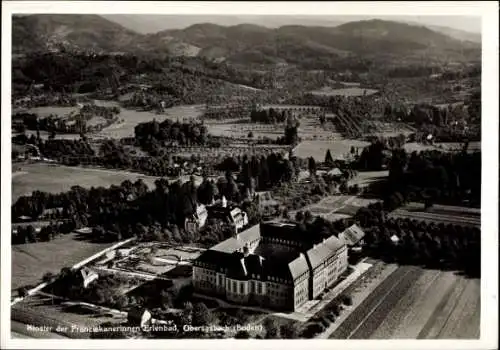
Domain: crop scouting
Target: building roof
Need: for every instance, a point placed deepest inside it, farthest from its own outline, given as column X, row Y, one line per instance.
column 233, row 244
column 352, row 235
column 228, row 255
column 335, row 172
column 250, row 234
column 229, row 245
column 213, row 257
column 322, row 251
column 243, row 267
column 298, row 266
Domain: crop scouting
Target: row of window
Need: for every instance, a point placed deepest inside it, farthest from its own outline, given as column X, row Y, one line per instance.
column 280, row 240
column 277, row 294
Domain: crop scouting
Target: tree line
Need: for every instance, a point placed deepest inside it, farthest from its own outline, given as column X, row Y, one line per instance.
column 435, row 177
column 132, row 209
column 437, row 245
column 193, row 133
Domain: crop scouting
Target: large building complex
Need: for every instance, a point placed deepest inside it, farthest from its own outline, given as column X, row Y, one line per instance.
column 271, row 265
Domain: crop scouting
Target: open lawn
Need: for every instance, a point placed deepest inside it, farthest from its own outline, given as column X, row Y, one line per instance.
column 27, row 178
column 132, row 117
column 54, row 110
column 413, row 303
column 317, row 149
column 31, row 261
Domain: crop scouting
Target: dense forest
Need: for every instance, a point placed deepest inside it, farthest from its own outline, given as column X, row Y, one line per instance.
column 435, row 245
column 183, row 80
column 430, row 176
column 129, row 209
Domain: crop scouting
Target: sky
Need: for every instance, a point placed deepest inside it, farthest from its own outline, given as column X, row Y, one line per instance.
column 154, row 23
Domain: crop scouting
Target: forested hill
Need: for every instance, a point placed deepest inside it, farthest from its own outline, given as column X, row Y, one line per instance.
column 244, row 43
column 46, row 31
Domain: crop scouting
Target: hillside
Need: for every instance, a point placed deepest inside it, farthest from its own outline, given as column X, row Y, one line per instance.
column 310, row 46
column 44, row 31
column 458, row 34
column 295, row 43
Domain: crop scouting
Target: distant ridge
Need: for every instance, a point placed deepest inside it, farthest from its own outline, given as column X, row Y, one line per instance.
column 243, row 43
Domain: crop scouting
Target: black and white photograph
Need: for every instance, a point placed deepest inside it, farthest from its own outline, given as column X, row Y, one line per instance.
column 181, row 172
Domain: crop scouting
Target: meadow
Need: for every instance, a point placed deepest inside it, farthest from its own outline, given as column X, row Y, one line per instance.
column 129, row 118
column 32, row 260
column 317, row 148
column 27, row 178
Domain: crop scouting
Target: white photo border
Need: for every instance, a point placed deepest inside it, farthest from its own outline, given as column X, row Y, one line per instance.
column 487, row 10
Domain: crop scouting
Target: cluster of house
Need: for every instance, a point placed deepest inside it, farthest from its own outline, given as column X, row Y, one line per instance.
column 273, row 265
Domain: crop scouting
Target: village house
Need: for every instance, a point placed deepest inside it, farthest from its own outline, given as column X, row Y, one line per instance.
column 88, row 276
column 139, row 317
column 353, row 237
column 230, row 213
column 197, row 220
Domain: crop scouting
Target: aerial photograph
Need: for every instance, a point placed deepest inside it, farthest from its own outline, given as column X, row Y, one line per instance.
column 245, row 177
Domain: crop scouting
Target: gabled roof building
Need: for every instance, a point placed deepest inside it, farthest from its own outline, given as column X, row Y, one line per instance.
column 270, row 265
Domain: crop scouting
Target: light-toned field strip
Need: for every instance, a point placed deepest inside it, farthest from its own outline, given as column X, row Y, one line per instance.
column 456, row 316
column 471, row 315
column 417, row 293
column 425, row 306
column 436, row 217
column 382, row 299
column 359, row 294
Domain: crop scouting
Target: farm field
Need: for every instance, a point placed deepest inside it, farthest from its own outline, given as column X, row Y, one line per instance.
column 131, row 118
column 413, row 303
column 27, row 178
column 347, row 91
column 317, row 149
column 473, row 146
column 44, row 135
column 46, row 111
column 238, row 129
column 440, row 213
column 298, row 107
column 441, row 146
column 337, row 207
column 31, row 261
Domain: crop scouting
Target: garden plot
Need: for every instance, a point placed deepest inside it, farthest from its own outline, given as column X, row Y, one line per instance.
column 338, row 207
column 440, row 214
column 159, row 261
